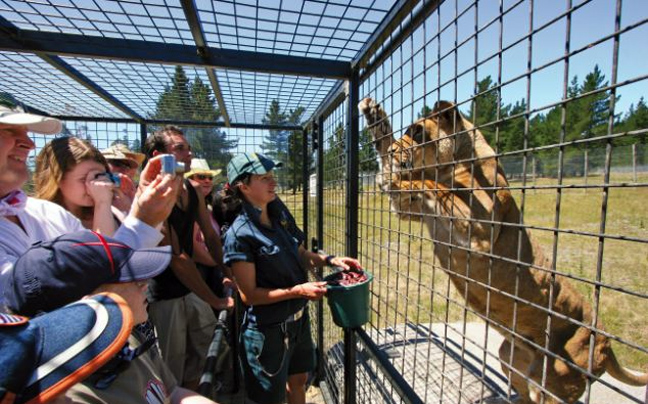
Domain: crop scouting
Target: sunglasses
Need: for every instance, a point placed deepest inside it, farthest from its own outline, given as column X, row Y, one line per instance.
column 202, row 177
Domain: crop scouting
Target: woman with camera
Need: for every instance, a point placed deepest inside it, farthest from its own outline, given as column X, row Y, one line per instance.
column 74, row 174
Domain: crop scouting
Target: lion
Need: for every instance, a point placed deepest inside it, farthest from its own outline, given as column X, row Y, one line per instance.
column 442, row 171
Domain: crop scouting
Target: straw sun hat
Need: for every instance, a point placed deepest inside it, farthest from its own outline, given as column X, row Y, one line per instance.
column 200, row 166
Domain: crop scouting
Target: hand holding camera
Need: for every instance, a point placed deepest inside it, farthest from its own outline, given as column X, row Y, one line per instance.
column 157, row 192
column 100, row 186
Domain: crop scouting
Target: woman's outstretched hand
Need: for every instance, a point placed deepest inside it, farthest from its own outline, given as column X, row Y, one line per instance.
column 311, row 290
column 345, row 263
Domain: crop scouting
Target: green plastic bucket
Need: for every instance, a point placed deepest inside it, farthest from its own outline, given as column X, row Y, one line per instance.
column 349, row 304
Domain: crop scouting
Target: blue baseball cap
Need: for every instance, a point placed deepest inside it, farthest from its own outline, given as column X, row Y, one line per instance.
column 44, row 356
column 54, row 273
column 249, row 163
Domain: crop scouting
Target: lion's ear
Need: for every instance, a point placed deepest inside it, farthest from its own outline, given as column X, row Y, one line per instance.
column 447, row 116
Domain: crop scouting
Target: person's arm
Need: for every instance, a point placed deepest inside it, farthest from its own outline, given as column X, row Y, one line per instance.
column 251, row 294
column 311, row 260
column 180, row 395
column 185, row 270
column 201, row 252
column 212, row 241
column 101, row 192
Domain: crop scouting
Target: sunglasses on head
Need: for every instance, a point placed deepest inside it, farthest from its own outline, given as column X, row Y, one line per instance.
column 202, row 177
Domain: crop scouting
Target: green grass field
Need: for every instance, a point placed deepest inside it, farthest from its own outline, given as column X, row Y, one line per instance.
column 410, row 286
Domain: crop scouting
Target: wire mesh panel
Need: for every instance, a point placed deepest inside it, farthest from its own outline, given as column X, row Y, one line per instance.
column 142, row 20
column 334, row 132
column 38, row 84
column 506, row 232
column 315, row 28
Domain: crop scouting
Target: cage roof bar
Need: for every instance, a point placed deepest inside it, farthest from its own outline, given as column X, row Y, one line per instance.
column 396, row 15
column 80, row 78
column 386, row 30
column 166, row 53
column 191, row 14
column 417, row 19
column 332, row 100
column 217, row 124
column 388, row 25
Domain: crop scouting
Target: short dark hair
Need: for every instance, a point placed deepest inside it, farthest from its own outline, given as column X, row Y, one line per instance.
column 159, row 140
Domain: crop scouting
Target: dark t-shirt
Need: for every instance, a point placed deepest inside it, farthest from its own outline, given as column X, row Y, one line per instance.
column 166, row 285
column 275, row 254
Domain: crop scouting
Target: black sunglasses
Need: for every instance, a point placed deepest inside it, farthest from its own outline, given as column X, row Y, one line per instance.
column 203, row 177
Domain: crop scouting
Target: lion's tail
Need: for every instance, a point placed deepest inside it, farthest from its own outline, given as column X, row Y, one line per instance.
column 620, row 373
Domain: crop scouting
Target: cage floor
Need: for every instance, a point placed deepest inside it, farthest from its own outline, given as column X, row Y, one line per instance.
column 443, row 366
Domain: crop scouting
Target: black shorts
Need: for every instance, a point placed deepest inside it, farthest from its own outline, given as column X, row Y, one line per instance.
column 267, row 362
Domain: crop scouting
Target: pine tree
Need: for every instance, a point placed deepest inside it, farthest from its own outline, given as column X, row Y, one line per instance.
column 424, row 113
column 175, row 102
column 275, row 143
column 368, row 157
column 512, row 131
column 181, row 101
column 483, row 109
column 296, row 158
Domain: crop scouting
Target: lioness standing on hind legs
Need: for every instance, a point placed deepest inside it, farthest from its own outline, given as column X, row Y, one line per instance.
column 443, row 171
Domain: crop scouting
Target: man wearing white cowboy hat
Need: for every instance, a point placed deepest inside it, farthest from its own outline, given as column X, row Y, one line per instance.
column 202, row 177
column 25, row 220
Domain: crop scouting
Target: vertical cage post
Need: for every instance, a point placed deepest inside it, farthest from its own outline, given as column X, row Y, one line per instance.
column 352, row 192
column 319, row 132
column 142, row 136
column 305, row 185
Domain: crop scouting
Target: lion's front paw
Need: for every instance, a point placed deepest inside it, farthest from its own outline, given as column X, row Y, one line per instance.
column 365, row 105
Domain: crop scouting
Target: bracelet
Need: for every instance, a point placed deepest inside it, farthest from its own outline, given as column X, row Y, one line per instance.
column 328, row 260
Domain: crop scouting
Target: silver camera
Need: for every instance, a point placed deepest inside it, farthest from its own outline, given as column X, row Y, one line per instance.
column 170, row 165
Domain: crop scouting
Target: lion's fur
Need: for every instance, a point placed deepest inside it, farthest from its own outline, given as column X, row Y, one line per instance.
column 443, row 171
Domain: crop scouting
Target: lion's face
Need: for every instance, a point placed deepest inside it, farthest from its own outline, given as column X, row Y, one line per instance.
column 424, row 148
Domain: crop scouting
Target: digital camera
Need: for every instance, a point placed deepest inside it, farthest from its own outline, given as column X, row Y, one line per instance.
column 114, row 178
column 170, row 165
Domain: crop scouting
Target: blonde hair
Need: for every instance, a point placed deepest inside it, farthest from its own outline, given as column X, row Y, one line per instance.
column 57, row 158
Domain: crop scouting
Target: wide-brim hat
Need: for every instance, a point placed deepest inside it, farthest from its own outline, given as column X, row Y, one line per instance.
column 201, row 166
column 120, row 151
column 54, row 273
column 13, row 113
column 44, row 356
column 249, row 163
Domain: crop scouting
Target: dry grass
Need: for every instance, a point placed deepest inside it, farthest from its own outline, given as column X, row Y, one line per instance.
column 410, row 285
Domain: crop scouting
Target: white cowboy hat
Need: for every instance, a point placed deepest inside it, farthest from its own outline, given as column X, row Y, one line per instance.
column 12, row 113
column 200, row 166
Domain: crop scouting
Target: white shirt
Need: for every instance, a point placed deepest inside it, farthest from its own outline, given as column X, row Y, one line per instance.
column 44, row 220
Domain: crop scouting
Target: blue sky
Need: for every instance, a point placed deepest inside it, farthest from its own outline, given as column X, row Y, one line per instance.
column 417, row 57
column 591, row 22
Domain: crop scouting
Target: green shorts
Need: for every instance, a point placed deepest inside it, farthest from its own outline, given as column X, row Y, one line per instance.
column 266, row 361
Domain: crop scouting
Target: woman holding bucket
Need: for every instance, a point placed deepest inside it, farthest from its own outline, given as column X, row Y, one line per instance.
column 264, row 247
